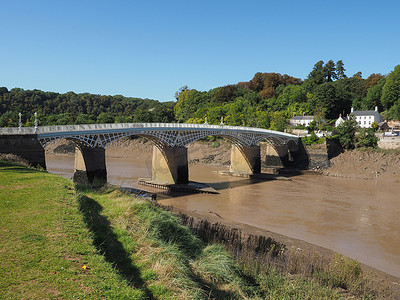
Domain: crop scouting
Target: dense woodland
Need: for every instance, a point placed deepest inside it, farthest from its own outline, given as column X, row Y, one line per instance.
column 268, row 100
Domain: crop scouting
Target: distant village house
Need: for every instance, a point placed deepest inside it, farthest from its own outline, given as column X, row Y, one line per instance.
column 301, row 120
column 365, row 118
column 339, row 121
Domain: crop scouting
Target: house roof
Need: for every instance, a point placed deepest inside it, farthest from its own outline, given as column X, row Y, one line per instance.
column 365, row 113
column 302, row 118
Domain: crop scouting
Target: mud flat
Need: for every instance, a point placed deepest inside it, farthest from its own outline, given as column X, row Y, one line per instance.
column 366, row 164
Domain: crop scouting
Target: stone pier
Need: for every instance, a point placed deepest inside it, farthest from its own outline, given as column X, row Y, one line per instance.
column 170, row 165
column 26, row 146
column 245, row 160
column 90, row 165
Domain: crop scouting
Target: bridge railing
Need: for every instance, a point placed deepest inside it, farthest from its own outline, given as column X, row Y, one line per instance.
column 148, row 126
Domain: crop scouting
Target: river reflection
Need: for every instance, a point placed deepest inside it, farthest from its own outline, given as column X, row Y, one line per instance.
column 358, row 218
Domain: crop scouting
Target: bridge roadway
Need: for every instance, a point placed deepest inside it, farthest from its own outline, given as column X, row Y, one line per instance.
column 170, row 164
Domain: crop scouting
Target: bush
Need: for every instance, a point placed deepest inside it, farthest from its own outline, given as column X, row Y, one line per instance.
column 345, row 133
column 312, row 139
column 366, row 138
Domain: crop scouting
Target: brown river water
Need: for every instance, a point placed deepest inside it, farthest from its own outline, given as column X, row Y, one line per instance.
column 357, row 218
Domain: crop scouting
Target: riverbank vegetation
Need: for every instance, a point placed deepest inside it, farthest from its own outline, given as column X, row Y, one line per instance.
column 349, row 135
column 268, row 100
column 62, row 241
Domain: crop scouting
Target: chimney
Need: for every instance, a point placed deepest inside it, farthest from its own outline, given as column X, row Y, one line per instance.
column 376, row 108
column 352, row 109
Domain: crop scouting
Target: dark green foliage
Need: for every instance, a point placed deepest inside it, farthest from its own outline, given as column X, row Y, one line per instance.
column 312, row 126
column 394, row 111
column 350, row 136
column 312, row 139
column 330, row 71
column 345, row 133
column 324, row 95
column 340, row 70
column 71, row 108
column 391, row 89
column 374, row 95
column 366, row 138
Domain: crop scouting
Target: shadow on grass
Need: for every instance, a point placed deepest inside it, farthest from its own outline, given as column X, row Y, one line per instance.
column 107, row 243
column 16, row 167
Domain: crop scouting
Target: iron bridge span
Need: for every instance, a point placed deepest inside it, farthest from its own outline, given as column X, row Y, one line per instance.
column 162, row 134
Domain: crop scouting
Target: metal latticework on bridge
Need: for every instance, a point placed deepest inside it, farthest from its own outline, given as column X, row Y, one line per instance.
column 162, row 134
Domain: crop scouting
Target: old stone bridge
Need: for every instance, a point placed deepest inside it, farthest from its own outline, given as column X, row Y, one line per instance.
column 169, row 163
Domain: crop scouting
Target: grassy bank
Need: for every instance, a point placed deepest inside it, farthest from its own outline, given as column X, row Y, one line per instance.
column 62, row 241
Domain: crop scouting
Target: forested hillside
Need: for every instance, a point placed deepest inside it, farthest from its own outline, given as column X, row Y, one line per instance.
column 71, row 108
column 268, row 100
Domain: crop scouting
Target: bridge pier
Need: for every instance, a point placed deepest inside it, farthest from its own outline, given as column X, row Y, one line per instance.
column 170, row 165
column 288, row 156
column 26, row 146
column 245, row 160
column 90, row 165
column 277, row 156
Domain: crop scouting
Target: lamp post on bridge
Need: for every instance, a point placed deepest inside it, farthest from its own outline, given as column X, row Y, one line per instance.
column 36, row 123
column 19, row 122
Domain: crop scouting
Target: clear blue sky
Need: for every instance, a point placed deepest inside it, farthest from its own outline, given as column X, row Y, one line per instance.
column 149, row 49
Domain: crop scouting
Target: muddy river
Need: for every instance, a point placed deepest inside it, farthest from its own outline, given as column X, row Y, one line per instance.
column 357, row 218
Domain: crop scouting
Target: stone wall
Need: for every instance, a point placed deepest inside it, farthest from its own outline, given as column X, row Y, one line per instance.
column 25, row 146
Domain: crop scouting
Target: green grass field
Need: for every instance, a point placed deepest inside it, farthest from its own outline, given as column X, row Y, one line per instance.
column 61, row 241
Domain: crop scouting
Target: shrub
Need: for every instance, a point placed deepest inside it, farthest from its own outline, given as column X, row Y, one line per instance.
column 366, row 138
column 345, row 133
column 312, row 139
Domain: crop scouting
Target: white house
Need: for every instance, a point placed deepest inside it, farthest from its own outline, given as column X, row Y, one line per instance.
column 339, row 120
column 365, row 118
column 301, row 120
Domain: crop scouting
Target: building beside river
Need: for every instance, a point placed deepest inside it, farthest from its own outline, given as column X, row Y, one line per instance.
column 365, row 118
column 301, row 120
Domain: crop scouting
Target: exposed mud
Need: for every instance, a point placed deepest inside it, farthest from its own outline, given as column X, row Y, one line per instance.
column 366, row 164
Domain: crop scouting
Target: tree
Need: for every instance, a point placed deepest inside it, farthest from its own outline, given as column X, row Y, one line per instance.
column 346, row 132
column 372, row 80
column 181, row 89
column 374, row 95
column 324, row 96
column 394, row 111
column 105, row 118
column 366, row 138
column 391, row 89
column 349, row 92
column 319, row 115
column 278, row 121
column 3, row 90
column 330, row 71
column 340, row 70
column 188, row 103
column 85, row 119
column 317, row 74
column 226, row 93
